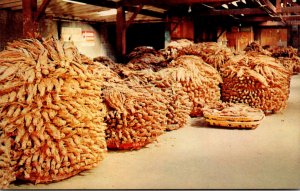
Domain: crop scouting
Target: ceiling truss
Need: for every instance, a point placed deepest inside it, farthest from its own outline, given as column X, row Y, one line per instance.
column 245, row 11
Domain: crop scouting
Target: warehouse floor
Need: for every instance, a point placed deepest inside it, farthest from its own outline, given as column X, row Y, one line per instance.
column 202, row 157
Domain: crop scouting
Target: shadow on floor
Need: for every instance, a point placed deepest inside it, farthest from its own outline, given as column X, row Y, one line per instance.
column 199, row 122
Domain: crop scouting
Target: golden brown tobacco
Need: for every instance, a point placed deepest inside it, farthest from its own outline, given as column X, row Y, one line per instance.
column 212, row 53
column 174, row 47
column 260, row 81
column 50, row 110
column 167, row 90
column 200, row 80
column 7, row 166
column 134, row 119
column 146, row 58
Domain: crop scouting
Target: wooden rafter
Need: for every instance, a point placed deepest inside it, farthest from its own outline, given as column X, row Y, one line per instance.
column 245, row 11
column 8, row 1
column 11, row 4
column 291, row 17
column 102, row 3
column 260, row 19
column 16, row 8
column 174, row 2
column 284, row 13
column 176, row 25
column 72, row 9
column 272, row 23
column 127, row 7
column 294, row 9
column 145, row 12
column 133, row 16
column 269, row 5
column 222, row 32
column 42, row 9
column 293, row 22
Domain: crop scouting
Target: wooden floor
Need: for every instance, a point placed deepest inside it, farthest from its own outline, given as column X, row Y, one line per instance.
column 202, row 157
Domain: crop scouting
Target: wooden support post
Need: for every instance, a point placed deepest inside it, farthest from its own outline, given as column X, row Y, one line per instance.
column 121, row 33
column 121, row 29
column 29, row 25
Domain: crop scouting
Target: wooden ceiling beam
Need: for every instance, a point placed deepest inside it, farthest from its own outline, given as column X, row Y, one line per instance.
column 112, row 4
column 273, row 24
column 67, row 18
column 294, row 9
column 269, row 5
column 260, row 19
column 74, row 8
column 86, row 11
column 291, row 17
column 267, row 18
column 133, row 16
column 16, row 8
column 293, row 22
column 245, row 11
column 12, row 4
column 173, row 2
column 102, row 3
column 8, row 1
column 146, row 12
column 41, row 9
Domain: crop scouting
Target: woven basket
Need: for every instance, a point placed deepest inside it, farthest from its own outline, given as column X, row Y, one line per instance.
column 233, row 116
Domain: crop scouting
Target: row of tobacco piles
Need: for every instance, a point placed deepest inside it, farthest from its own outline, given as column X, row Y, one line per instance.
column 60, row 110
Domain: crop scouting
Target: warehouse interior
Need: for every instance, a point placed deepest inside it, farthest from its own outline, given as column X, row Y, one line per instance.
column 112, row 64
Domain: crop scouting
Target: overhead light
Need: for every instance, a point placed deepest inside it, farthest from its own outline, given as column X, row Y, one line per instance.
column 244, row 1
column 107, row 12
column 208, row 6
column 75, row 2
column 190, row 9
column 234, row 3
column 294, row 1
column 242, row 15
column 225, row 6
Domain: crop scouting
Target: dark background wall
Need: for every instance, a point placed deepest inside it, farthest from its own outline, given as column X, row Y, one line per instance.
column 138, row 34
column 294, row 36
column 146, row 34
column 11, row 26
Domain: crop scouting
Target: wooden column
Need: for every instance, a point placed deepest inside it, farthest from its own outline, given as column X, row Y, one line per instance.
column 29, row 25
column 121, row 33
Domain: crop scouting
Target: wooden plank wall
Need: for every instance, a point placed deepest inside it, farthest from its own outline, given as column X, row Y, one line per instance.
column 273, row 36
column 239, row 39
column 182, row 28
